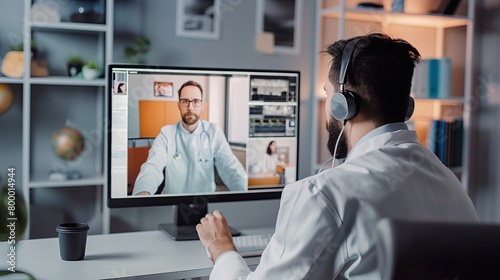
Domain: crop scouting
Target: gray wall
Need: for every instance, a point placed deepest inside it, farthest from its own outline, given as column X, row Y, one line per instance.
column 236, row 49
column 11, row 121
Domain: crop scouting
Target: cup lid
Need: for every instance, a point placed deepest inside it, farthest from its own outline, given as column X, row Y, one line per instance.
column 72, row 227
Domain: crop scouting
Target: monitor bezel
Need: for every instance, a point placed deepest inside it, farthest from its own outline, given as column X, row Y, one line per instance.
column 191, row 199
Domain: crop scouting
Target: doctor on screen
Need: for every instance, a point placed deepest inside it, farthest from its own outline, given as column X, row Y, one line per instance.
column 184, row 154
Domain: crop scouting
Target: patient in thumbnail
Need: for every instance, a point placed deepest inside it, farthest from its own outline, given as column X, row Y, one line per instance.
column 270, row 159
column 184, row 155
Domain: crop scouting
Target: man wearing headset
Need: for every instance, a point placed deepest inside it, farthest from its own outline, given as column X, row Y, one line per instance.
column 326, row 226
column 187, row 153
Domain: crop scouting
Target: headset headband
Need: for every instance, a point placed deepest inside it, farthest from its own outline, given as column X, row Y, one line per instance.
column 344, row 103
column 346, row 58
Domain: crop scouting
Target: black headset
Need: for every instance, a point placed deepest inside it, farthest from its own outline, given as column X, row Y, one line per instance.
column 345, row 104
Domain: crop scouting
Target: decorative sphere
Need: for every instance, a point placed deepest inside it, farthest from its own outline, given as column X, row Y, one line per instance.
column 68, row 143
column 6, row 98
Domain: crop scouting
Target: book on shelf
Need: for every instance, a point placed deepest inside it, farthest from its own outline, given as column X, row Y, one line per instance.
column 432, row 79
column 445, row 140
column 447, row 7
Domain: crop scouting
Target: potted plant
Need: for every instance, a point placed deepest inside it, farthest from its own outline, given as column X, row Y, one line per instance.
column 17, row 47
column 13, row 61
column 90, row 70
column 74, row 64
column 136, row 51
column 20, row 47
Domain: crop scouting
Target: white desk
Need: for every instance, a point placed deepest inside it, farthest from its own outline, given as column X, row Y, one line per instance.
column 137, row 255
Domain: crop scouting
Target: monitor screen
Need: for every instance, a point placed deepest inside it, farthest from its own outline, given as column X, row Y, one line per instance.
column 184, row 136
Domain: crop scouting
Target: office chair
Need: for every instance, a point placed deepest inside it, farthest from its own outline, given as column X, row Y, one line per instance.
column 431, row 250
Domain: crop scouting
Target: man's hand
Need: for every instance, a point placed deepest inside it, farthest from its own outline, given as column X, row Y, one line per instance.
column 215, row 235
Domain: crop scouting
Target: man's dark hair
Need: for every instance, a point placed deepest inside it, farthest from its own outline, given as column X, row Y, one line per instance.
column 380, row 72
column 190, row 83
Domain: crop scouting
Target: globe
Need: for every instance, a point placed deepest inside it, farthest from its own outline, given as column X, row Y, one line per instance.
column 68, row 143
column 6, row 98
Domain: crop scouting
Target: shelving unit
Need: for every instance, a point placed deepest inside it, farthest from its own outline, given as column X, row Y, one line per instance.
column 433, row 35
column 5, row 80
column 47, row 104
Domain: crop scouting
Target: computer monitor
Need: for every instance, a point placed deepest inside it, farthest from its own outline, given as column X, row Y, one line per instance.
column 243, row 111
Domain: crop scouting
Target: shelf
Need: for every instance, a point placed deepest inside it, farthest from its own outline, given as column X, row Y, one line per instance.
column 422, row 20
column 434, row 35
column 69, row 26
column 74, row 99
column 66, row 81
column 452, row 100
column 92, row 181
column 7, row 80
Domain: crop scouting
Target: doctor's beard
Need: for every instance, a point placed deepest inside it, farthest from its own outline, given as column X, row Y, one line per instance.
column 334, row 127
column 190, row 118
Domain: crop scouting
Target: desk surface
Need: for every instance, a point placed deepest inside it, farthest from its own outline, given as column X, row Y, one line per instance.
column 151, row 254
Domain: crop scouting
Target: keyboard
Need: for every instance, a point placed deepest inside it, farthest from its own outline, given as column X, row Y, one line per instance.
column 251, row 245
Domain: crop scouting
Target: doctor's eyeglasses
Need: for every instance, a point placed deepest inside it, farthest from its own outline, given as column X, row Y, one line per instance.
column 185, row 102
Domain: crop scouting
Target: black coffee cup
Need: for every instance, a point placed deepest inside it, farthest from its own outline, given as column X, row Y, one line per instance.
column 72, row 240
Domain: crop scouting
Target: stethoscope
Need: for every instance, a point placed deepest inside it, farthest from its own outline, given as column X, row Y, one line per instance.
column 177, row 154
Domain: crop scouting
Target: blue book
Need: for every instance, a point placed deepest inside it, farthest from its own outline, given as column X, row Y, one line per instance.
column 421, row 75
column 442, row 140
column 444, row 76
column 449, row 144
column 431, row 141
column 458, row 134
column 433, row 78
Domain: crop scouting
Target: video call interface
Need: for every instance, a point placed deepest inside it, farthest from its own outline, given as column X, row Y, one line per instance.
column 257, row 111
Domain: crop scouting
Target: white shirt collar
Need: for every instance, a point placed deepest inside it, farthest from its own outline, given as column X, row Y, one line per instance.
column 199, row 128
column 390, row 127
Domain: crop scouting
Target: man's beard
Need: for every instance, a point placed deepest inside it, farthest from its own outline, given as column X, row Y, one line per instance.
column 190, row 118
column 334, row 127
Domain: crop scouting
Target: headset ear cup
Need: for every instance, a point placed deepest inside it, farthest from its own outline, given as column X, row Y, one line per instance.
column 343, row 106
column 411, row 108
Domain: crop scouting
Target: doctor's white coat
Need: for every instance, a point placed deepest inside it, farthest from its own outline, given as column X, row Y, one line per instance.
column 390, row 174
column 192, row 170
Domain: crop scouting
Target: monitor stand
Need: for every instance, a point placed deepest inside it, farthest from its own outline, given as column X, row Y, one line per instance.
column 186, row 218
